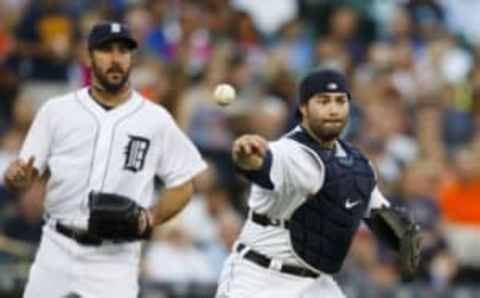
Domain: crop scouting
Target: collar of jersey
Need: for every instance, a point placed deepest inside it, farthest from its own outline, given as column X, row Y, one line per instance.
column 339, row 150
column 100, row 112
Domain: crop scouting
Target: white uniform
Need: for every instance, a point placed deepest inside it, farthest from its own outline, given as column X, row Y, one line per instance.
column 295, row 173
column 85, row 148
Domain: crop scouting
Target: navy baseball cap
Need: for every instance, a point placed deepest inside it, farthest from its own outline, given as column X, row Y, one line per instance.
column 325, row 80
column 105, row 32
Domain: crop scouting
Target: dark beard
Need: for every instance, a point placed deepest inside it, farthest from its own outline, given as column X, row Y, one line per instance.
column 105, row 84
column 327, row 134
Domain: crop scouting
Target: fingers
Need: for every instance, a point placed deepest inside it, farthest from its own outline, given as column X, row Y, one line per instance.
column 26, row 168
column 17, row 169
column 259, row 145
column 30, row 162
column 25, row 165
column 244, row 148
column 250, row 144
column 29, row 168
column 14, row 175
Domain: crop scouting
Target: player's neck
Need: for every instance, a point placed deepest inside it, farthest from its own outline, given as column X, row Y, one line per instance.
column 323, row 144
column 110, row 99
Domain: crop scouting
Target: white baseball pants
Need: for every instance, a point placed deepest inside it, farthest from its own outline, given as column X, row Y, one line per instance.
column 242, row 278
column 63, row 268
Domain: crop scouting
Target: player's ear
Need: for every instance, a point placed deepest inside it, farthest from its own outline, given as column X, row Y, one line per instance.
column 303, row 110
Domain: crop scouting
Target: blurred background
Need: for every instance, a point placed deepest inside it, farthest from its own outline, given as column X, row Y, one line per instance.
column 413, row 67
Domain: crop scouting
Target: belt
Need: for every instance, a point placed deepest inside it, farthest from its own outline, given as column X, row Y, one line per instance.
column 265, row 262
column 264, row 220
column 81, row 237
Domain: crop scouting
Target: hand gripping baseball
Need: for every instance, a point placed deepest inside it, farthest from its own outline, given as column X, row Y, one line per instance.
column 248, row 151
column 118, row 218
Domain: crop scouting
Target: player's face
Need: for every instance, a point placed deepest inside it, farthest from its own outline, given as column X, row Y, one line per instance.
column 111, row 64
column 326, row 114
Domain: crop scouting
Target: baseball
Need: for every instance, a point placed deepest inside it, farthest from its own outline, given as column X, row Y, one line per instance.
column 224, row 94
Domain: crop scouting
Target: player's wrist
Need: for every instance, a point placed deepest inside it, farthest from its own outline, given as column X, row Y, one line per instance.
column 249, row 162
column 149, row 218
column 150, row 214
column 146, row 223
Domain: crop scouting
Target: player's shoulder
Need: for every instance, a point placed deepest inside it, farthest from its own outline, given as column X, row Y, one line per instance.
column 286, row 144
column 289, row 144
column 61, row 102
column 154, row 109
column 294, row 151
column 296, row 159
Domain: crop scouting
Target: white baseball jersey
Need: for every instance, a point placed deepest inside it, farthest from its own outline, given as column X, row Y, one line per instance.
column 296, row 172
column 86, row 147
column 121, row 150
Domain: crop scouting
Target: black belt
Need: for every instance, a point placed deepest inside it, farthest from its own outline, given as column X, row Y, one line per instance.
column 81, row 237
column 264, row 220
column 265, row 261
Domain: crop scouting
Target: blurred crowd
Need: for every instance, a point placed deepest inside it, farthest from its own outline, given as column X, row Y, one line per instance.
column 414, row 71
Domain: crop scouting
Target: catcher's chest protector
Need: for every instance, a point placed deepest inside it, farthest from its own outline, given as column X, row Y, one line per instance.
column 322, row 228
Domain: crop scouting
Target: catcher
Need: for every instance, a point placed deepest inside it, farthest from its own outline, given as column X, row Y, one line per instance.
column 310, row 192
column 102, row 146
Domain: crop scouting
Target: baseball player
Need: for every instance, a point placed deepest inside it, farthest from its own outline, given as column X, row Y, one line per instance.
column 310, row 191
column 102, row 146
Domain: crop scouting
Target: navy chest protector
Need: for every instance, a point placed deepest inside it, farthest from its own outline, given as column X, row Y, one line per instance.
column 322, row 228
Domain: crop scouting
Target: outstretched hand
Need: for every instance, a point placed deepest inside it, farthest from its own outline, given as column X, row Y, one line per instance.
column 20, row 174
column 248, row 151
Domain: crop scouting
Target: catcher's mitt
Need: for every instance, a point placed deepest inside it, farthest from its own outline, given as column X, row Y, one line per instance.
column 117, row 218
column 399, row 224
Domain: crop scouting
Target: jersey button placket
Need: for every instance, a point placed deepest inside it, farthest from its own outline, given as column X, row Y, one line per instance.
column 102, row 151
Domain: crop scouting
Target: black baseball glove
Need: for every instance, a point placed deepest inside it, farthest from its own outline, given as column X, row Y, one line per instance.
column 397, row 229
column 117, row 218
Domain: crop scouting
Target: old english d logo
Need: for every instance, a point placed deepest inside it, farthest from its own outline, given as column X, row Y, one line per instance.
column 135, row 153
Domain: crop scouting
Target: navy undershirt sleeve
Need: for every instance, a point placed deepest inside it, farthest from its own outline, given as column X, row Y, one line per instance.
column 261, row 176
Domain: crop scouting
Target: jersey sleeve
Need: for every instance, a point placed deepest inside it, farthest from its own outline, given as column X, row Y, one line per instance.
column 38, row 141
column 179, row 160
column 294, row 166
column 377, row 201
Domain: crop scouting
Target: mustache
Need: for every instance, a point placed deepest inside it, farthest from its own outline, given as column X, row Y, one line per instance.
column 114, row 69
